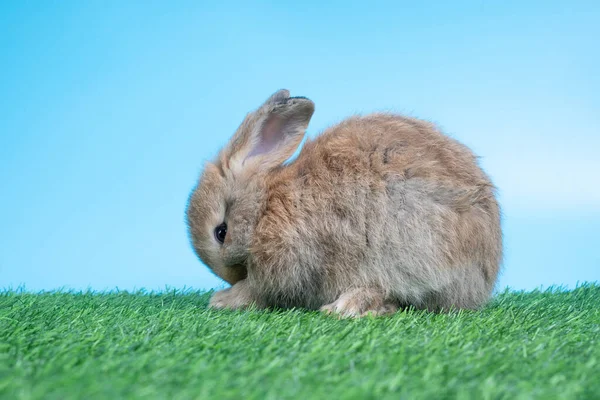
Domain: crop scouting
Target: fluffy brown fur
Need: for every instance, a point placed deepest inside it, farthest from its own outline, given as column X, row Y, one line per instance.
column 377, row 212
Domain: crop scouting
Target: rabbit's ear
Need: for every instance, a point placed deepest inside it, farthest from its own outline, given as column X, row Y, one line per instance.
column 272, row 134
column 282, row 129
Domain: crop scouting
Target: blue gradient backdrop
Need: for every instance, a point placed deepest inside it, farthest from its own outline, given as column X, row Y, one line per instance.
column 108, row 110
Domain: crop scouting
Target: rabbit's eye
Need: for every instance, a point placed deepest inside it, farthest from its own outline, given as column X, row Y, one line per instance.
column 220, row 232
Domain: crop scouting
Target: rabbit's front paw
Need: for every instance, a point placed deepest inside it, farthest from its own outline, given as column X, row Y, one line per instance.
column 360, row 303
column 236, row 297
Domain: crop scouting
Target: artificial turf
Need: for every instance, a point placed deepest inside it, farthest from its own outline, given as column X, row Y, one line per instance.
column 60, row 345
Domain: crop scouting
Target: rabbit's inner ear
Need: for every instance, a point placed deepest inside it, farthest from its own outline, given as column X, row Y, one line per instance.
column 269, row 136
column 280, row 132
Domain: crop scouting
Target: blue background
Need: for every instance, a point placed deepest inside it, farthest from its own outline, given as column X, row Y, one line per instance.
column 108, row 110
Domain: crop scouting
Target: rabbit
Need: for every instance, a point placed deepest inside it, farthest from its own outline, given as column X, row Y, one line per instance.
column 378, row 213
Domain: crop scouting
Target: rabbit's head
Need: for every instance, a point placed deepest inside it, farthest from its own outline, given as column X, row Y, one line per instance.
column 227, row 202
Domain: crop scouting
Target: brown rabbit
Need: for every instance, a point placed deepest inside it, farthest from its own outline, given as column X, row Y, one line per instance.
column 376, row 213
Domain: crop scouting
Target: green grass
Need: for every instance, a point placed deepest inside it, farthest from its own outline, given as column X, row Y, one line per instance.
column 122, row 345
